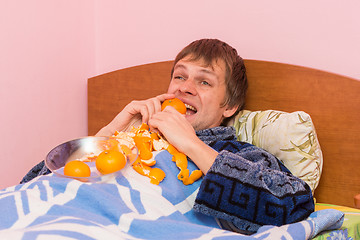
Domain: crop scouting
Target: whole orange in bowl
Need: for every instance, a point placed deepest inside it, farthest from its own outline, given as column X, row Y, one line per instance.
column 175, row 103
column 110, row 161
column 77, row 168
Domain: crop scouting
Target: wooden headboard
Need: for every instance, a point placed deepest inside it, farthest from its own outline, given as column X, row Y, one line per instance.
column 332, row 101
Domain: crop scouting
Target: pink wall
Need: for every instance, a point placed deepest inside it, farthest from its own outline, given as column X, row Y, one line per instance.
column 49, row 48
column 322, row 34
column 47, row 53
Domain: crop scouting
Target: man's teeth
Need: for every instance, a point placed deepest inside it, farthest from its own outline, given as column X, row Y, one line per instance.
column 190, row 107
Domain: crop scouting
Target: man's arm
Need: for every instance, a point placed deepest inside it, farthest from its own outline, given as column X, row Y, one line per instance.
column 252, row 188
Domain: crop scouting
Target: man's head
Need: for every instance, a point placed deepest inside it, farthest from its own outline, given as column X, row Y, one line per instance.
column 218, row 57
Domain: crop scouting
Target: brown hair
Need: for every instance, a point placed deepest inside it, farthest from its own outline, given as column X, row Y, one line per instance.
column 211, row 50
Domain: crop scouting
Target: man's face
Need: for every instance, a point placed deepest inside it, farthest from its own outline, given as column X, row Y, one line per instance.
column 203, row 91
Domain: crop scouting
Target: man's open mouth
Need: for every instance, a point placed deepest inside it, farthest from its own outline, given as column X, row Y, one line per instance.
column 190, row 109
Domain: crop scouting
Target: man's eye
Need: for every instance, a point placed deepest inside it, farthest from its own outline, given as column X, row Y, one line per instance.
column 179, row 77
column 204, row 83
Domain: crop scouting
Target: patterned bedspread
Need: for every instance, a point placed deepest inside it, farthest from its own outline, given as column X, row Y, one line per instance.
column 127, row 207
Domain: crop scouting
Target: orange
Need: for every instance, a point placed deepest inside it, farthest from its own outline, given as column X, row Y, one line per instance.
column 77, row 168
column 110, row 161
column 175, row 103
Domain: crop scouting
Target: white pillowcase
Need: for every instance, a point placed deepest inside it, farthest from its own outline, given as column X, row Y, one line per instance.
column 291, row 137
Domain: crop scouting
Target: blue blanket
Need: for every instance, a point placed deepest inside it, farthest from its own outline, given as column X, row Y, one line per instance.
column 127, row 207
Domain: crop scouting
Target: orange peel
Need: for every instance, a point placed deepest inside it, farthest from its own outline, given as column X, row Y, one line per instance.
column 149, row 162
column 154, row 136
column 194, row 176
column 141, row 168
column 144, row 126
column 156, row 175
column 147, row 142
column 181, row 162
column 144, row 146
column 172, row 150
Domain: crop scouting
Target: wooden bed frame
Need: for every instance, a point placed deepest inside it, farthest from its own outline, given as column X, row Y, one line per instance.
column 333, row 102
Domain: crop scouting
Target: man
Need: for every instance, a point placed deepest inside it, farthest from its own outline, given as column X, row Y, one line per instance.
column 244, row 187
column 200, row 82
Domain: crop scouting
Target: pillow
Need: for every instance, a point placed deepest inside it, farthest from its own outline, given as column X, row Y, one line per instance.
column 291, row 137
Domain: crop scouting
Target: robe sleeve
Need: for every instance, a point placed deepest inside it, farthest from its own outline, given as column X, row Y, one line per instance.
column 38, row 170
column 251, row 188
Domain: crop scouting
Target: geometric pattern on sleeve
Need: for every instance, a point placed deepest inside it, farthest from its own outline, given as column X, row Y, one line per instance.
column 249, row 207
column 249, row 187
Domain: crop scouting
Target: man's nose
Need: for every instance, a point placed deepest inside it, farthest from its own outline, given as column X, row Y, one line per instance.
column 188, row 86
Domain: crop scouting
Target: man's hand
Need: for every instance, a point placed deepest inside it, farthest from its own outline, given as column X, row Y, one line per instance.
column 180, row 133
column 173, row 126
column 134, row 113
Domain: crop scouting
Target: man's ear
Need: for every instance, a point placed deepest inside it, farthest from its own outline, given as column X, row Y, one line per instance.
column 229, row 111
